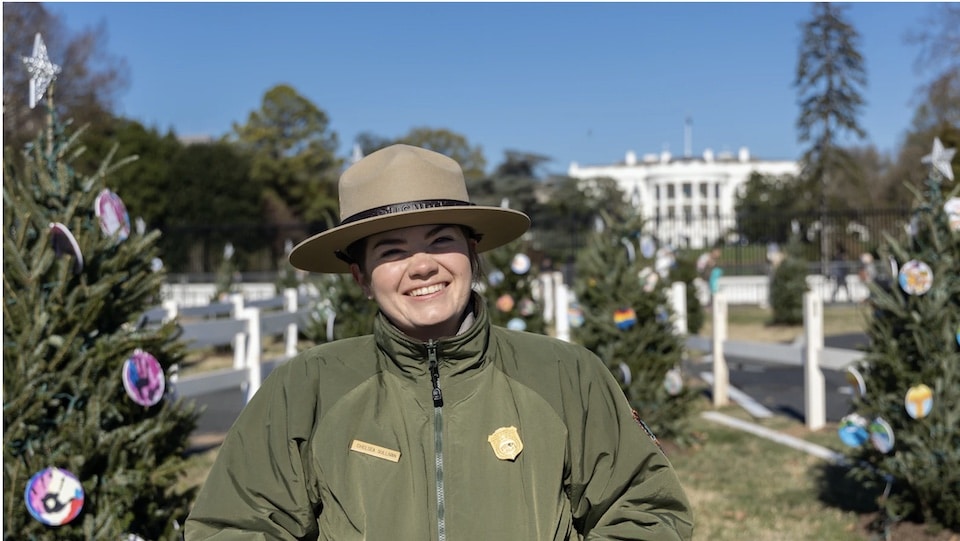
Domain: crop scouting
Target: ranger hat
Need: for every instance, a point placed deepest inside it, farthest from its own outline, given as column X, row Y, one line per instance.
column 402, row 186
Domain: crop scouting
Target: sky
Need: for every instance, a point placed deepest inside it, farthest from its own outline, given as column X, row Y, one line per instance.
column 576, row 82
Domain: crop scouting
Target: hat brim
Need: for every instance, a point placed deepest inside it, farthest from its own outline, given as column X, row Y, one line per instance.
column 497, row 226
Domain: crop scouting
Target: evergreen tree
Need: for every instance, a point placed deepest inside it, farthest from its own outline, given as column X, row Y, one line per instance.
column 910, row 404
column 342, row 311
column 509, row 289
column 788, row 285
column 627, row 322
column 76, row 351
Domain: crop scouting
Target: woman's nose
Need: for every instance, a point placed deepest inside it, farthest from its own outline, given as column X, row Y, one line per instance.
column 422, row 265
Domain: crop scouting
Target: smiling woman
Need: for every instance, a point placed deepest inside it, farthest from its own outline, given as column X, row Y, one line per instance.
column 439, row 424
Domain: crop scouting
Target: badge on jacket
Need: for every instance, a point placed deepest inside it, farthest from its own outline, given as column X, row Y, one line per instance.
column 506, row 442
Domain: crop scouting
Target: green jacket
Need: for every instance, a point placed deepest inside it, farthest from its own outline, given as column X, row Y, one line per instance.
column 492, row 434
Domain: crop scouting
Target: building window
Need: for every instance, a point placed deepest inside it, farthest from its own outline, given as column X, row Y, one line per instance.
column 716, row 190
column 687, row 190
column 671, row 191
column 704, row 189
column 687, row 214
column 658, row 192
column 670, row 213
column 703, row 211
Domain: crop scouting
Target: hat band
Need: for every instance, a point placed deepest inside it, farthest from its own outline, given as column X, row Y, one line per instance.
column 407, row 206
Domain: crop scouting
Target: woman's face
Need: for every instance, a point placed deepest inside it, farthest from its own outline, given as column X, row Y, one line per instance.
column 420, row 277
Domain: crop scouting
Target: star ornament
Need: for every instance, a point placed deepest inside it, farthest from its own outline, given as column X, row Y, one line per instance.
column 940, row 158
column 42, row 71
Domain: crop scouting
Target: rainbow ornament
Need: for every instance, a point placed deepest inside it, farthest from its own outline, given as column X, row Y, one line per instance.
column 625, row 318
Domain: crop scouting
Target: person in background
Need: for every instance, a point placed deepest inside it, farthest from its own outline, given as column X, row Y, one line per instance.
column 838, row 272
column 438, row 425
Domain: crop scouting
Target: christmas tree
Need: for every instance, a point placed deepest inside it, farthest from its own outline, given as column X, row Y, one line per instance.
column 628, row 322
column 93, row 440
column 342, row 311
column 509, row 289
column 788, row 284
column 904, row 434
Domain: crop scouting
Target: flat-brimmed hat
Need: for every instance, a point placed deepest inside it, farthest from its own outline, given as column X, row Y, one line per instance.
column 403, row 186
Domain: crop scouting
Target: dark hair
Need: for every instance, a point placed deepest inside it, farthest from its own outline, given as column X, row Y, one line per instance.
column 356, row 251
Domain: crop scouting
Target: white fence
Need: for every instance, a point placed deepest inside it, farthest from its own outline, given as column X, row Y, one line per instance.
column 242, row 323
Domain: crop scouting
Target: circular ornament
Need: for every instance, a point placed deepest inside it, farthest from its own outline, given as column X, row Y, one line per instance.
column 855, row 379
column 673, row 382
column 54, row 496
column 575, row 315
column 527, row 307
column 65, row 243
column 156, row 264
column 625, row 318
column 143, row 378
column 918, row 401
column 520, row 264
column 662, row 315
column 517, row 324
column 853, row 430
column 505, row 303
column 915, row 277
column 649, row 278
column 665, row 261
column 648, row 246
column 112, row 214
column 881, row 435
column 495, row 278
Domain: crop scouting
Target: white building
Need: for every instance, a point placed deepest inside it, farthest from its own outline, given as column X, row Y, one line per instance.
column 690, row 200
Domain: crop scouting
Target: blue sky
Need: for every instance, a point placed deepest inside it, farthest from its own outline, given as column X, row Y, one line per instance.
column 578, row 82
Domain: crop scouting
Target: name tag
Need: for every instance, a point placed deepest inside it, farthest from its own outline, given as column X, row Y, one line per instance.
column 375, row 450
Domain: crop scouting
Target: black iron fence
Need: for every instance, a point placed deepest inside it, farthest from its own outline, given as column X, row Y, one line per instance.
column 197, row 251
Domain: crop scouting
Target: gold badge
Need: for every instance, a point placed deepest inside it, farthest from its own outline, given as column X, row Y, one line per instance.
column 506, row 442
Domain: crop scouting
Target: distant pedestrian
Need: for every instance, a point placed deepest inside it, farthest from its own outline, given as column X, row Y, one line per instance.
column 838, row 273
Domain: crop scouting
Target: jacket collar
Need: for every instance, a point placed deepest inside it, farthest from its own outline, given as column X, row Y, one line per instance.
column 408, row 357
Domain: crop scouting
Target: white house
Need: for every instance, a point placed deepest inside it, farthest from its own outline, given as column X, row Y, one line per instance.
column 685, row 197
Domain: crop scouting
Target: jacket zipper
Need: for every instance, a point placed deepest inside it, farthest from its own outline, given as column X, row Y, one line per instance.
column 437, row 435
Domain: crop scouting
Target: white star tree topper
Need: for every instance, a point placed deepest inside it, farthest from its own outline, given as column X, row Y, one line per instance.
column 42, row 71
column 940, row 158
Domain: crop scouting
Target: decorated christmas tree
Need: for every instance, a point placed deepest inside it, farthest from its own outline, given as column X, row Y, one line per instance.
column 904, row 432
column 509, row 289
column 93, row 438
column 624, row 317
column 342, row 311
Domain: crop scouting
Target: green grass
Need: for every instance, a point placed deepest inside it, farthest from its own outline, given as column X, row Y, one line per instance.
column 745, row 487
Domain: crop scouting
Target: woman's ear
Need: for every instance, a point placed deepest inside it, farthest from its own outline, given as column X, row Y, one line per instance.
column 361, row 279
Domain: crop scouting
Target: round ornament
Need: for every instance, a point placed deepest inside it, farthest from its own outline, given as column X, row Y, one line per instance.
column 112, row 214
column 156, row 264
column 517, row 324
column 665, row 261
column 625, row 318
column 495, row 278
column 662, row 315
column 143, row 378
column 527, row 307
column 855, row 379
column 649, row 279
column 881, row 435
column 65, row 243
column 54, row 496
column 915, row 277
column 505, row 303
column 648, row 247
column 853, row 430
column 918, row 401
column 575, row 315
column 673, row 382
column 520, row 264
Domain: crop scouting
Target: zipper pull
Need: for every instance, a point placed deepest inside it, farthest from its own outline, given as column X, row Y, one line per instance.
column 434, row 373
